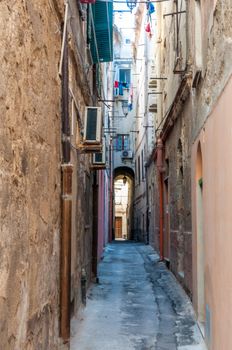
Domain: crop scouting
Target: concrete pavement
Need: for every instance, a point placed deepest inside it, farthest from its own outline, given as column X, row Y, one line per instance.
column 137, row 305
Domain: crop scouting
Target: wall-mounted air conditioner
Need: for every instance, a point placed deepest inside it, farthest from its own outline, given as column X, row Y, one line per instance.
column 153, row 84
column 92, row 125
column 127, row 155
column 99, row 158
column 153, row 108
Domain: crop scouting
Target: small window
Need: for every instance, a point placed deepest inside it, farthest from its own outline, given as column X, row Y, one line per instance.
column 125, row 76
column 122, row 143
column 127, row 41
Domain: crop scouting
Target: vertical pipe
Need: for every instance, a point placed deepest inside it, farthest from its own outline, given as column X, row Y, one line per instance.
column 161, row 219
column 65, row 254
column 95, row 225
column 111, row 212
column 177, row 29
column 66, row 205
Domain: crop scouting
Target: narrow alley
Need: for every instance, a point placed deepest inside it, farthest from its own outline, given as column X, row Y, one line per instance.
column 115, row 174
column 137, row 305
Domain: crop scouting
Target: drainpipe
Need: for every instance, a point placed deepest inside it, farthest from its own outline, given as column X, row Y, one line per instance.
column 111, row 210
column 160, row 168
column 95, row 225
column 66, row 205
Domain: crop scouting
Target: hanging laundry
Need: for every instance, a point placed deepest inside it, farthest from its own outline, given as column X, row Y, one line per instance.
column 148, row 27
column 116, row 88
column 121, row 89
column 116, row 91
column 87, row 1
column 151, row 8
column 130, row 99
column 125, row 85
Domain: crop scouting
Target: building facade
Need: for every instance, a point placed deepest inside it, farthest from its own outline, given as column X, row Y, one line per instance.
column 52, row 70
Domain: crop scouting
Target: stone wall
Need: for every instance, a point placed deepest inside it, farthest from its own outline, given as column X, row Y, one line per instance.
column 177, row 179
column 217, row 57
column 30, row 172
column 29, row 175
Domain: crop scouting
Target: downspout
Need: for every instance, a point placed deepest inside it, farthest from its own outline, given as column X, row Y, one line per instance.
column 95, row 225
column 160, row 168
column 111, row 212
column 66, row 204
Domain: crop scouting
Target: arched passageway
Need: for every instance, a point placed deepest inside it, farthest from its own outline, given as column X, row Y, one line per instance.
column 123, row 203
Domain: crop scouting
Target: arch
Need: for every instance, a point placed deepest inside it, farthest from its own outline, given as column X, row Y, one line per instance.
column 200, row 236
column 123, row 203
column 124, row 171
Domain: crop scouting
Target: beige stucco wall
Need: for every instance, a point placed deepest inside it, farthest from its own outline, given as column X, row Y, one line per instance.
column 216, row 140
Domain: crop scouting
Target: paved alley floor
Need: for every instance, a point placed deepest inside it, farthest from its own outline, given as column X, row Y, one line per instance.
column 137, row 305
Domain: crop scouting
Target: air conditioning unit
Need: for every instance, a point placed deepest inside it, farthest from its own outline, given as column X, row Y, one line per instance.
column 92, row 125
column 153, row 108
column 127, row 154
column 153, row 84
column 99, row 158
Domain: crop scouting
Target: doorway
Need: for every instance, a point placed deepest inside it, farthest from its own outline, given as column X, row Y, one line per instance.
column 123, row 226
column 118, row 227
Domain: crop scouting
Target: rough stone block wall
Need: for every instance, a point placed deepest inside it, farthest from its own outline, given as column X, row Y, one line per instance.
column 81, row 254
column 177, row 156
column 29, row 175
column 217, row 57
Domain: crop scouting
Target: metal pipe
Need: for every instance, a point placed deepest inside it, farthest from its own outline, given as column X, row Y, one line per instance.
column 177, row 29
column 64, row 38
column 173, row 13
column 161, row 240
column 66, row 205
column 95, row 224
column 65, row 94
column 65, row 251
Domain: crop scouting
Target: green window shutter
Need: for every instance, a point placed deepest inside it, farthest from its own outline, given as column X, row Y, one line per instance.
column 101, row 42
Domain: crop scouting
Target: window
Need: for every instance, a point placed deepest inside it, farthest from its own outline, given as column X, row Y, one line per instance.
column 127, row 41
column 122, row 143
column 125, row 76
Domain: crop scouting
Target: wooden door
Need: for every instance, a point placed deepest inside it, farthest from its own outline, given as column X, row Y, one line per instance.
column 118, row 227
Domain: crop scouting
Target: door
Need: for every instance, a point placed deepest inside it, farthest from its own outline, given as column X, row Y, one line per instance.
column 118, row 227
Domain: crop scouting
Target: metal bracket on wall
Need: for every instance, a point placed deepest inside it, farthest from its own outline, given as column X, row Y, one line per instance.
column 173, row 13
column 86, row 148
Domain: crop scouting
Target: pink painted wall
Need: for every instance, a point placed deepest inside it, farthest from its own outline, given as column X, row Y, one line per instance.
column 216, row 145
